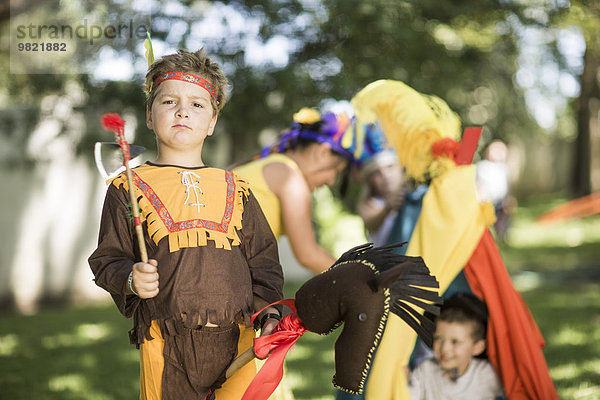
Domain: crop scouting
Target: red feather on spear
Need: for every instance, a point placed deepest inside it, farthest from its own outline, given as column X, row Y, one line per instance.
column 114, row 122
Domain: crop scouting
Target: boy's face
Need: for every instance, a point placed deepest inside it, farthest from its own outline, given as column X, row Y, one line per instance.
column 454, row 347
column 181, row 115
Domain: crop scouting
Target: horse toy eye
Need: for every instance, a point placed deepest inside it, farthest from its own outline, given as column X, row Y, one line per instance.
column 362, row 317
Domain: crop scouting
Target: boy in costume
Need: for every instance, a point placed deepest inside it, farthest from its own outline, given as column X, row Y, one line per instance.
column 456, row 373
column 213, row 259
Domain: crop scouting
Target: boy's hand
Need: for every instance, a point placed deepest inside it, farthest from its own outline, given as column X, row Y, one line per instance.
column 145, row 279
column 269, row 326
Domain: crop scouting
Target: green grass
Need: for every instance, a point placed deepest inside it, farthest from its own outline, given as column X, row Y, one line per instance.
column 84, row 353
column 556, row 267
column 568, row 315
column 71, row 353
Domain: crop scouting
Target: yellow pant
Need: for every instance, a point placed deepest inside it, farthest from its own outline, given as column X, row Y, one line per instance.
column 152, row 364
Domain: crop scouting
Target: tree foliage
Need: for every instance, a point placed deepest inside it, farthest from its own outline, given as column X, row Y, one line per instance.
column 465, row 51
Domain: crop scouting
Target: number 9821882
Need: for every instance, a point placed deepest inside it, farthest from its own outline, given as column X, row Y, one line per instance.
column 42, row 46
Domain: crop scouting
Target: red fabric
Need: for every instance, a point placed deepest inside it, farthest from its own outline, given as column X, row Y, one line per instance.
column 574, row 209
column 468, row 145
column 514, row 340
column 445, row 147
column 287, row 332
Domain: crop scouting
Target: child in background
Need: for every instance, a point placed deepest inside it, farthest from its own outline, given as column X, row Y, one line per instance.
column 383, row 193
column 213, row 259
column 455, row 373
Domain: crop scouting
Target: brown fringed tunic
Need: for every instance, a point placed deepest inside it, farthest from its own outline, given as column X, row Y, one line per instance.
column 215, row 251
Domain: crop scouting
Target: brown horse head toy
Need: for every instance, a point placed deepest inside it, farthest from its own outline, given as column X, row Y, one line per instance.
column 359, row 291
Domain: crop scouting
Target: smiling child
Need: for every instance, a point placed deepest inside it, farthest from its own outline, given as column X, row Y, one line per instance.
column 455, row 373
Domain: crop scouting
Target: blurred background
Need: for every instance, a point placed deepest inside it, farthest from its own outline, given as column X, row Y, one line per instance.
column 528, row 71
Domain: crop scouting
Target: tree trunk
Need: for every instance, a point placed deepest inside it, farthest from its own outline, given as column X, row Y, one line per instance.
column 594, row 106
column 587, row 125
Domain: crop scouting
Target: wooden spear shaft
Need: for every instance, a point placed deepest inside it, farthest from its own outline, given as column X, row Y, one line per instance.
column 240, row 361
column 136, row 213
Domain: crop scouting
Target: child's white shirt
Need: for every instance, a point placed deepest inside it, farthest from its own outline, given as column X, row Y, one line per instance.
column 479, row 382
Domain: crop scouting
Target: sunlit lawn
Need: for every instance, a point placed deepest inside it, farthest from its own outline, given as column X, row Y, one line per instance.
column 83, row 353
column 556, row 266
column 552, row 247
column 74, row 353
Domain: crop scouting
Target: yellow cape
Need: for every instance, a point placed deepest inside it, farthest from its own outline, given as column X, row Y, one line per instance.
column 448, row 230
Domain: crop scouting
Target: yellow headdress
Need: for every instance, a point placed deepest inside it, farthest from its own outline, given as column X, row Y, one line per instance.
column 412, row 122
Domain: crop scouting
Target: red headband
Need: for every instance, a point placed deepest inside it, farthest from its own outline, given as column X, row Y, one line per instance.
column 182, row 76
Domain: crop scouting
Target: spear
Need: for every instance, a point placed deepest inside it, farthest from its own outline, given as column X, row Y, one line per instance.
column 114, row 122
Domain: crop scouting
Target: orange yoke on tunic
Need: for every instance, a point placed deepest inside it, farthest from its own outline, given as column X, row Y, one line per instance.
column 215, row 252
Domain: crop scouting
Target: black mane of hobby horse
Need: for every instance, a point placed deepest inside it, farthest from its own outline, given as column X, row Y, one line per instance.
column 360, row 290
